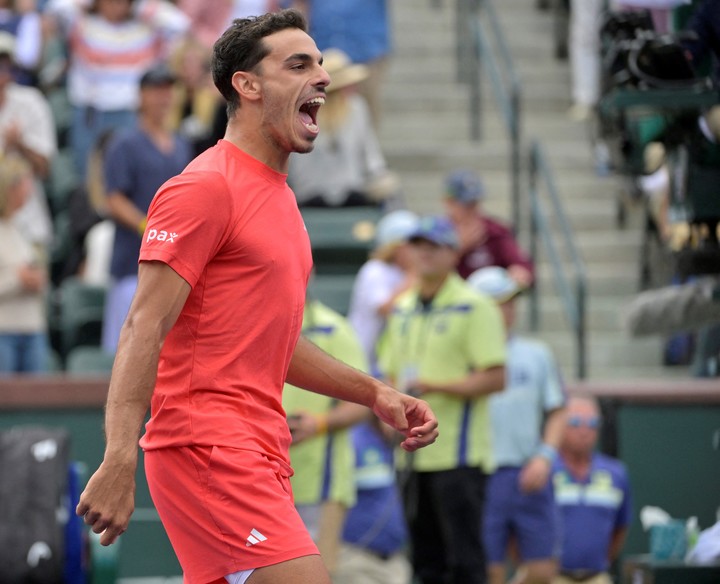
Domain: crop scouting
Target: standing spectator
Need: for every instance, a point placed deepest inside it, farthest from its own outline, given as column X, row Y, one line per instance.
column 27, row 129
column 484, row 241
column 209, row 20
column 321, row 452
column 360, row 28
column 593, row 493
column 347, row 167
column 446, row 342
column 375, row 537
column 380, row 280
column 528, row 419
column 138, row 161
column 111, row 43
column 23, row 278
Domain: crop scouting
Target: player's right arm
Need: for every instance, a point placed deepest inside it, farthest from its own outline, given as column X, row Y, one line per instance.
column 109, row 498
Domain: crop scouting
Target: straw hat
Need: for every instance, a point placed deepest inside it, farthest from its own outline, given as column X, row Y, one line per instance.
column 341, row 69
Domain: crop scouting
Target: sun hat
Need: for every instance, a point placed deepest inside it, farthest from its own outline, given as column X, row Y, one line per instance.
column 464, row 186
column 343, row 72
column 495, row 282
column 438, row 230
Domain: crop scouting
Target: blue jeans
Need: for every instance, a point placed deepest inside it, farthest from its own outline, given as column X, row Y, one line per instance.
column 23, row 353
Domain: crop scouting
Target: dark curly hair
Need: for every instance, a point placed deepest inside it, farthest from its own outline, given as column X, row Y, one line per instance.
column 241, row 48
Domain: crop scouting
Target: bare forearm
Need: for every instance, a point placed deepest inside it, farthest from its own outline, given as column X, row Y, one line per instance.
column 554, row 427
column 477, row 383
column 616, row 543
column 131, row 388
column 313, row 369
column 124, row 211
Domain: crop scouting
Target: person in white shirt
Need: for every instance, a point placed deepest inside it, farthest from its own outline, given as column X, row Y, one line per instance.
column 385, row 275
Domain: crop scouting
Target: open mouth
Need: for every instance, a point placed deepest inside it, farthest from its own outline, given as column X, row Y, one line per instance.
column 308, row 113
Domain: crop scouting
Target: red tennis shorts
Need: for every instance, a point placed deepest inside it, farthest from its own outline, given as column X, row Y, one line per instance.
column 225, row 510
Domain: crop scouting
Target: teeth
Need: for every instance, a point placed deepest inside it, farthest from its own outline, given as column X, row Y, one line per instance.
column 316, row 101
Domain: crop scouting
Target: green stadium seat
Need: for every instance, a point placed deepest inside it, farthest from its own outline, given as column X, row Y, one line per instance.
column 333, row 290
column 86, row 360
column 80, row 314
column 341, row 239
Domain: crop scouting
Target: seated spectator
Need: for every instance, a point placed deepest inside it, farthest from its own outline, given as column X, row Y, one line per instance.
column 346, row 167
column 195, row 99
column 386, row 275
column 23, row 278
column 375, row 537
column 321, row 452
column 593, row 494
column 27, row 129
column 484, row 241
column 111, row 43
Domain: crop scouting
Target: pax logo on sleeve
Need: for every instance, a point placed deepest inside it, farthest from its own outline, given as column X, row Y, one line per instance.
column 160, row 235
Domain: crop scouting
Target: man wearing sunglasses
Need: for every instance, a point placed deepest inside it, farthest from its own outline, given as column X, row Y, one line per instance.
column 593, row 494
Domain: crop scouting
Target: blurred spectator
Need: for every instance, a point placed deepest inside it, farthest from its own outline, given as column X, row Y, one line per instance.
column 27, row 128
column 88, row 208
column 346, row 166
column 484, row 241
column 361, row 29
column 23, row 278
column 528, row 419
column 111, row 43
column 321, row 452
column 593, row 494
column 375, row 537
column 446, row 342
column 209, row 20
column 381, row 279
column 196, row 98
column 21, row 19
column 137, row 162
column 705, row 23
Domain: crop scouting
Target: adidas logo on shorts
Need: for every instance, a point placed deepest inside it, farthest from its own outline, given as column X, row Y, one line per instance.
column 255, row 537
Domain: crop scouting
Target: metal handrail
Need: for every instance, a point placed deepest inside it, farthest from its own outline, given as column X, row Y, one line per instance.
column 572, row 293
column 490, row 52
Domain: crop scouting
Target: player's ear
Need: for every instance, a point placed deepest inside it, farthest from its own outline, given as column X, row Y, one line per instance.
column 247, row 85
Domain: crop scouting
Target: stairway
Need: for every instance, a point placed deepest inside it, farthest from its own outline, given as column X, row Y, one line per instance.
column 425, row 134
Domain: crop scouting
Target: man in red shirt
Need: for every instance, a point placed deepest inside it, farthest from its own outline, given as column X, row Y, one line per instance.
column 214, row 331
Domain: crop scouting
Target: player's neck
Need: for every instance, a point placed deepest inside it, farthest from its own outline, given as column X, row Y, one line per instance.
column 251, row 143
column 577, row 462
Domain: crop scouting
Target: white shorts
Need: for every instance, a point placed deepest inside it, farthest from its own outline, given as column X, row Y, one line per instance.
column 238, row 577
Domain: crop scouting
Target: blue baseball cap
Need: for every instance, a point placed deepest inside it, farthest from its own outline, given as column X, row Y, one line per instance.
column 395, row 227
column 464, row 186
column 438, row 230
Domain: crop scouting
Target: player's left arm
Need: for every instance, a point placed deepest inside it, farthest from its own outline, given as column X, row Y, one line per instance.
column 617, row 541
column 313, row 369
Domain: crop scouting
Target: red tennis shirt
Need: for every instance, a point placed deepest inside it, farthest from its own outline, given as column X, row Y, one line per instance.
column 230, row 226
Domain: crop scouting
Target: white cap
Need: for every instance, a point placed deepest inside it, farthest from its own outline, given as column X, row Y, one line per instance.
column 495, row 282
column 395, row 227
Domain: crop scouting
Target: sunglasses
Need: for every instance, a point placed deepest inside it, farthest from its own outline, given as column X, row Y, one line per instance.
column 578, row 421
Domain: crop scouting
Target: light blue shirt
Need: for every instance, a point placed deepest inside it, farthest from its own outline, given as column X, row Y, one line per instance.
column 517, row 413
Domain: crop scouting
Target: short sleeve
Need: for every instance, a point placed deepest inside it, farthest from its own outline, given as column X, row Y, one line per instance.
column 624, row 514
column 486, row 338
column 188, row 222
